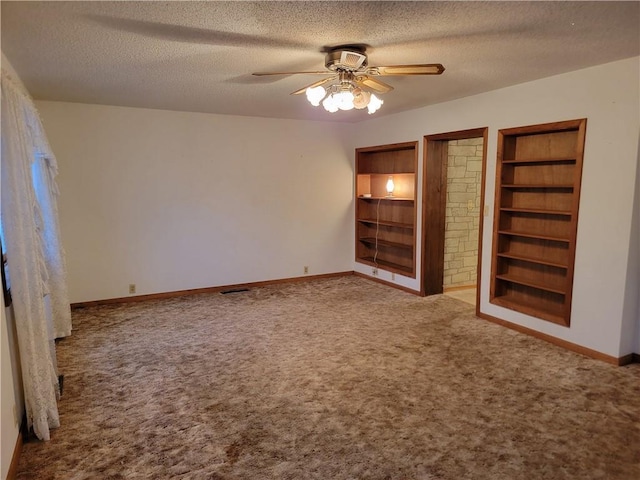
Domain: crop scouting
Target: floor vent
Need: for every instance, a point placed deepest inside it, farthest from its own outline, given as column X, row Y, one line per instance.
column 234, row 290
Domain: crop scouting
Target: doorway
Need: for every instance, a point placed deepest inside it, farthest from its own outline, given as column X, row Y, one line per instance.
column 452, row 206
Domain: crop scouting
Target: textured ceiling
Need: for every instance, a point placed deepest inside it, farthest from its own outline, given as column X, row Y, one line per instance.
column 199, row 56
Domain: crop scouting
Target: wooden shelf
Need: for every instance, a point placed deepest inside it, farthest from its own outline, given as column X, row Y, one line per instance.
column 537, row 186
column 373, row 221
column 533, row 235
column 390, row 219
column 388, row 199
column 524, row 161
column 385, row 243
column 394, row 267
column 535, row 220
column 525, row 258
column 539, row 211
column 528, row 283
column 551, row 312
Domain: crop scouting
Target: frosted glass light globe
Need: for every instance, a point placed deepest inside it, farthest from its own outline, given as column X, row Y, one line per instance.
column 374, row 104
column 329, row 104
column 361, row 98
column 315, row 95
column 344, row 99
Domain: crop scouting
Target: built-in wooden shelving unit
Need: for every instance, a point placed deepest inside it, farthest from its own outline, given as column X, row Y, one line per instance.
column 538, row 178
column 385, row 223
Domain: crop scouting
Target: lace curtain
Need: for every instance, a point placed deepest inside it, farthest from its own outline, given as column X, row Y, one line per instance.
column 34, row 254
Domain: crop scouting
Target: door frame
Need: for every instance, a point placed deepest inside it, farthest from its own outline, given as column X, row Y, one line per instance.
column 434, row 200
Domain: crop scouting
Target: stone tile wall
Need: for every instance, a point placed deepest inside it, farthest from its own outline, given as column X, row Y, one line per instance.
column 464, row 177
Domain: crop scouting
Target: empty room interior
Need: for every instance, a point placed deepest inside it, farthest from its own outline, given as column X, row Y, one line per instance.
column 320, row 240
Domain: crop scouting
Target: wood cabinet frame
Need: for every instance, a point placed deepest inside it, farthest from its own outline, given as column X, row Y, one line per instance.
column 385, row 227
column 538, row 176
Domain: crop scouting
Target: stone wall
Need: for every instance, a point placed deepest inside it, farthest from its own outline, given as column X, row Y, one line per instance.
column 464, row 177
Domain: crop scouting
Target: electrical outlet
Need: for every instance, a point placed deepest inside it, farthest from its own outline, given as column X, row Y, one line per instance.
column 132, row 288
column 306, row 269
column 374, row 272
column 393, row 277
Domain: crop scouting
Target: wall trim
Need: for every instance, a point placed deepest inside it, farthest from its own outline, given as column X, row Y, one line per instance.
column 459, row 288
column 195, row 291
column 630, row 358
column 574, row 347
column 389, row 284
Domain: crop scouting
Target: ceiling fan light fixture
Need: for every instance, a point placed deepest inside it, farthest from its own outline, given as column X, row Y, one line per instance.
column 345, row 96
column 352, row 82
column 345, row 92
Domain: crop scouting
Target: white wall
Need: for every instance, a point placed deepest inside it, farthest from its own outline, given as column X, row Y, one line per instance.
column 173, row 201
column 632, row 342
column 608, row 96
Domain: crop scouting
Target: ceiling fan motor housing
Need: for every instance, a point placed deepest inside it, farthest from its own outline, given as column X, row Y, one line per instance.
column 346, row 60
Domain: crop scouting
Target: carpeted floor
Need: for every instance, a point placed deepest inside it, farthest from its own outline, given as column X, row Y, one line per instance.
column 339, row 378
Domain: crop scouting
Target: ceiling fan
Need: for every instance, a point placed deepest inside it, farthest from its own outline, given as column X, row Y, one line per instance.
column 352, row 83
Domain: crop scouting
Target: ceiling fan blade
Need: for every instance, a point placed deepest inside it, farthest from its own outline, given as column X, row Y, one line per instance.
column 314, row 84
column 320, row 72
column 181, row 33
column 372, row 84
column 422, row 69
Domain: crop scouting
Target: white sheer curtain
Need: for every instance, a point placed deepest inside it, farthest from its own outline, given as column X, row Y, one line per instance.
column 34, row 254
column 44, row 170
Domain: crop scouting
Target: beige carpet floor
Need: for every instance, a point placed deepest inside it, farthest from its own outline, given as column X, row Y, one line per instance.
column 338, row 378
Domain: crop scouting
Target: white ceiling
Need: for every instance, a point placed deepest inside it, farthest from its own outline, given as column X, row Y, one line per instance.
column 199, row 56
